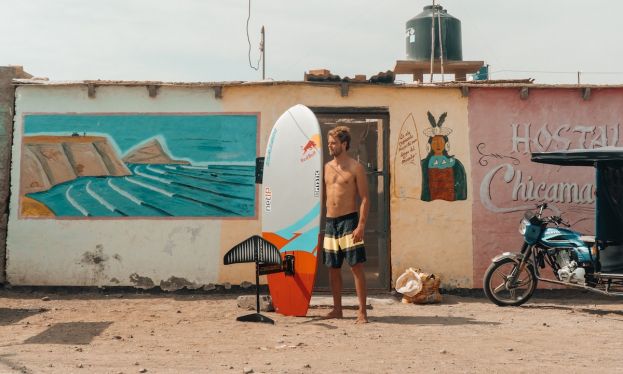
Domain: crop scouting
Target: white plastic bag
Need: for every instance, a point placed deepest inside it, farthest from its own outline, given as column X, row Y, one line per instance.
column 409, row 283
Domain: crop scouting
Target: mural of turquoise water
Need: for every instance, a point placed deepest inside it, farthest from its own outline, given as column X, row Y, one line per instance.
column 157, row 191
column 218, row 181
column 195, row 138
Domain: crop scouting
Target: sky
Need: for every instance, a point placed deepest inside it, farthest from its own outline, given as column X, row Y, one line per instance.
column 206, row 40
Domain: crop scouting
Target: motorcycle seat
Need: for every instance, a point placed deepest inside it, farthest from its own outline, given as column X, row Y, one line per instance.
column 588, row 239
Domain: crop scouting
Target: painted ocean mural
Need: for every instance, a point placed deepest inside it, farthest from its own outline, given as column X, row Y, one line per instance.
column 138, row 165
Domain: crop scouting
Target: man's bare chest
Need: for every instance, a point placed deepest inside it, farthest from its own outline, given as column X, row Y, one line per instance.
column 339, row 178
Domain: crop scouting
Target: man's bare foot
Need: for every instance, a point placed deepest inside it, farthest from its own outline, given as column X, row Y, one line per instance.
column 362, row 317
column 334, row 314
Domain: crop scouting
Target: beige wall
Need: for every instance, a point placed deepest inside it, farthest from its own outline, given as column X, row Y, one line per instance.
column 127, row 252
column 434, row 236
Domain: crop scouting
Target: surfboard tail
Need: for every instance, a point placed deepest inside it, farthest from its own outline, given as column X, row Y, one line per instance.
column 245, row 251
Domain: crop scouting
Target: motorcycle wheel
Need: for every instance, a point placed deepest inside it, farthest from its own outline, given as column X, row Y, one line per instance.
column 497, row 286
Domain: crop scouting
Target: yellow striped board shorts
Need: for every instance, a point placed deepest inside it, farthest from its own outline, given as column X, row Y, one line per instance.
column 339, row 244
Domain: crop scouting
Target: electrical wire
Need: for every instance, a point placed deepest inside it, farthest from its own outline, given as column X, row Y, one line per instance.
column 602, row 72
column 533, row 71
column 249, row 41
column 556, row 72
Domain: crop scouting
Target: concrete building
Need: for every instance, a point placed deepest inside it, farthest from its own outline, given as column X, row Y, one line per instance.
column 449, row 169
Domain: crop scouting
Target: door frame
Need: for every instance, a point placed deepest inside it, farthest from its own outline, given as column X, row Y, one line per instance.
column 383, row 114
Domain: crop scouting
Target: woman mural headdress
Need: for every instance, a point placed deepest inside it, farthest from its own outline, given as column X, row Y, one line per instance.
column 443, row 176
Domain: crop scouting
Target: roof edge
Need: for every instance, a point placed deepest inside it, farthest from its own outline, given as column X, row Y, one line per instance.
column 481, row 84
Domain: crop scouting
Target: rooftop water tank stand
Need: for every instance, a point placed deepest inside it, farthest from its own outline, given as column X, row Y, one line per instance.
column 460, row 69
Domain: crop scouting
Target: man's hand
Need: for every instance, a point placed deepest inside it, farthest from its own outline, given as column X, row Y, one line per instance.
column 358, row 234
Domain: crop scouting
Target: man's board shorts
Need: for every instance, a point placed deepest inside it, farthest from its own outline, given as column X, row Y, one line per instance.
column 339, row 244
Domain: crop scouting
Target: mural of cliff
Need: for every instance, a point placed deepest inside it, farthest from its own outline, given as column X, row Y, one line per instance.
column 151, row 153
column 174, row 166
column 50, row 160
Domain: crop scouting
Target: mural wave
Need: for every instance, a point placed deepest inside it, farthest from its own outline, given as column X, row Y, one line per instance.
column 156, row 190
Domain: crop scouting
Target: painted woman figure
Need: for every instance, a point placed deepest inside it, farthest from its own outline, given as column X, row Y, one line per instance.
column 443, row 176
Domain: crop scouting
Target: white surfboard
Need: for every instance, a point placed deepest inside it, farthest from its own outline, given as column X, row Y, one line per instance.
column 291, row 199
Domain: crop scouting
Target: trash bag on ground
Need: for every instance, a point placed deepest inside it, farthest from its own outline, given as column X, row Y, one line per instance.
column 409, row 283
column 429, row 292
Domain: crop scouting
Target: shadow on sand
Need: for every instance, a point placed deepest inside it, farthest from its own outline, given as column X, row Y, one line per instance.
column 10, row 316
column 592, row 311
column 430, row 320
column 72, row 333
column 408, row 320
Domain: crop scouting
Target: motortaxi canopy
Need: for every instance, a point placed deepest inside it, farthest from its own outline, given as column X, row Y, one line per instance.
column 608, row 162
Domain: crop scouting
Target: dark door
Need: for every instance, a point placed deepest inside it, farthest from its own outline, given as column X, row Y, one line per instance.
column 369, row 145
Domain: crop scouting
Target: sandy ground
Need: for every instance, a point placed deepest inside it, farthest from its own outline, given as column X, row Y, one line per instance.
column 169, row 333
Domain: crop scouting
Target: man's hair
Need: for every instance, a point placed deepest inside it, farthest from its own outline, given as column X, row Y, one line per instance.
column 342, row 134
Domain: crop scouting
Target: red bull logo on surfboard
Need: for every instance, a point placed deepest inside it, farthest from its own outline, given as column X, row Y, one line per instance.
column 309, row 150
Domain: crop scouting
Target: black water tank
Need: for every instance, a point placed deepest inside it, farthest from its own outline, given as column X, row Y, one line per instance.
column 419, row 39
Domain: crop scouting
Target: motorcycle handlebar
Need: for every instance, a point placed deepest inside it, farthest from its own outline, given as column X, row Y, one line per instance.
column 551, row 219
column 558, row 221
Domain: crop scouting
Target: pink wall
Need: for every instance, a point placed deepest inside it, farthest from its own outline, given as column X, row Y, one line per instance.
column 504, row 130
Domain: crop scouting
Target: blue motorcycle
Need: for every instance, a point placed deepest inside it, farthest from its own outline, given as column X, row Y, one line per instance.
column 592, row 263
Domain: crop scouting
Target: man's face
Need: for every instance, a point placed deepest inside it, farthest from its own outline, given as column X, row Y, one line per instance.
column 335, row 147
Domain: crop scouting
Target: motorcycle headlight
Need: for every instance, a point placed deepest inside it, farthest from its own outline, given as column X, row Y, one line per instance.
column 522, row 226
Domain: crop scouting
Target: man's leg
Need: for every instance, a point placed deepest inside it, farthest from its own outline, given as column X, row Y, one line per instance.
column 360, row 287
column 335, row 277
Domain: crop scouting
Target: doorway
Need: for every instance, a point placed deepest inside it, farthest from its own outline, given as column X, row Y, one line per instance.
column 369, row 145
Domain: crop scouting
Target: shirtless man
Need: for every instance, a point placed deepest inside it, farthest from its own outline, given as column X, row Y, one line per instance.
column 345, row 180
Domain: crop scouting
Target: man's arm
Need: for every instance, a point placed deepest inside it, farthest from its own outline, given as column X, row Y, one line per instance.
column 323, row 208
column 362, row 190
